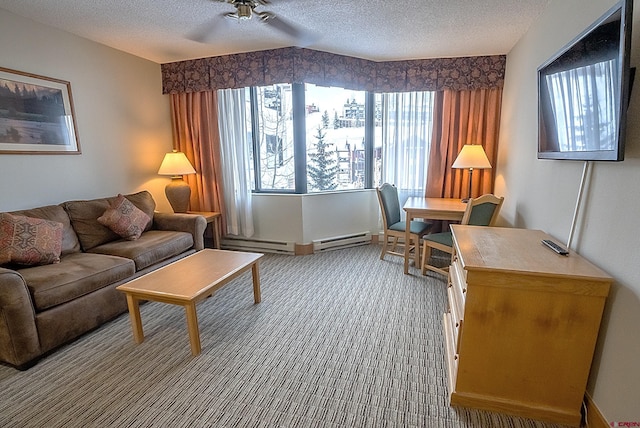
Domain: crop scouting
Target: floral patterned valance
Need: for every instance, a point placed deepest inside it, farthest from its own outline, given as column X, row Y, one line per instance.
column 298, row 65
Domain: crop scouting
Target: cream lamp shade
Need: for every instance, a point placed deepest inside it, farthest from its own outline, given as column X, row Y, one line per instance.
column 178, row 191
column 472, row 156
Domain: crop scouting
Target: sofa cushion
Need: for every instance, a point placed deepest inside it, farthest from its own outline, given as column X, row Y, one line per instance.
column 144, row 201
column 28, row 240
column 77, row 274
column 70, row 243
column 153, row 246
column 84, row 218
column 125, row 219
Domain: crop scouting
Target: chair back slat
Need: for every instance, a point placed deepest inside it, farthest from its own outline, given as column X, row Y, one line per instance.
column 482, row 214
column 482, row 211
column 388, row 197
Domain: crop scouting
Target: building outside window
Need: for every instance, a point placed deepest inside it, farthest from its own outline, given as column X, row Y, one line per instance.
column 340, row 114
column 270, row 127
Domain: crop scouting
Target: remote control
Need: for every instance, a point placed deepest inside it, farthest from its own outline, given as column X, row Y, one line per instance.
column 555, row 247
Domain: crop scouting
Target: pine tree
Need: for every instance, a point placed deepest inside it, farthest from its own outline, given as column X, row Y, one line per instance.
column 322, row 168
column 325, row 119
column 336, row 120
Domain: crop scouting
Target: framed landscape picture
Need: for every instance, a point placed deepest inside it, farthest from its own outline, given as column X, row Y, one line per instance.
column 36, row 115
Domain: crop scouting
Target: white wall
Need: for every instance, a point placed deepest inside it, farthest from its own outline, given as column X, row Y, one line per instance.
column 340, row 213
column 541, row 194
column 123, row 120
column 277, row 217
column 304, row 218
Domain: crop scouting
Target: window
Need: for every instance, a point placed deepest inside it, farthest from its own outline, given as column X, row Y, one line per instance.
column 270, row 127
column 309, row 138
column 335, row 131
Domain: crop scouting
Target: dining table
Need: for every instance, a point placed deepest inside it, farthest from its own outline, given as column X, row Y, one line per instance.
column 430, row 209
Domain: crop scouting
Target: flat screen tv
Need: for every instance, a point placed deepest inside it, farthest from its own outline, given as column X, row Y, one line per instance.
column 583, row 92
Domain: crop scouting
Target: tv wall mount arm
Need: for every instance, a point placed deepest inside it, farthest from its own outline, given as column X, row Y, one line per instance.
column 585, row 175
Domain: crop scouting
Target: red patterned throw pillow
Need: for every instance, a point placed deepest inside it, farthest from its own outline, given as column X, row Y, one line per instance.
column 125, row 219
column 29, row 241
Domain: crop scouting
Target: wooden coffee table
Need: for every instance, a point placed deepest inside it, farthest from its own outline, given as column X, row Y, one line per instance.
column 187, row 282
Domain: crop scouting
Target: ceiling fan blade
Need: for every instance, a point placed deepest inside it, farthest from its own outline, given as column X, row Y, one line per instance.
column 303, row 38
column 205, row 31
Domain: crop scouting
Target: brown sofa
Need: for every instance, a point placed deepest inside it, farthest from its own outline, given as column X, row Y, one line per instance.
column 45, row 306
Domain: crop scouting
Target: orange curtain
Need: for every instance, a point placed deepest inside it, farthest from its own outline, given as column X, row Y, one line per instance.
column 463, row 117
column 194, row 118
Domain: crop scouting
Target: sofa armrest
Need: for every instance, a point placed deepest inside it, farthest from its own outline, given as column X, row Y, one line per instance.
column 191, row 223
column 19, row 341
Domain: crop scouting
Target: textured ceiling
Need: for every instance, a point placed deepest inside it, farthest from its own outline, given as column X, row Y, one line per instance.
column 379, row 30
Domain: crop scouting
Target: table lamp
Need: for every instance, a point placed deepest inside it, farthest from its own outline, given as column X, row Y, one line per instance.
column 471, row 156
column 178, row 191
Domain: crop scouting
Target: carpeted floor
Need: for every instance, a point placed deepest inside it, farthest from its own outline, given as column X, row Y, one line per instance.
column 341, row 339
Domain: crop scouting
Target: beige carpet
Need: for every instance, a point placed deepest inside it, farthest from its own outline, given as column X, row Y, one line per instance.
column 341, row 339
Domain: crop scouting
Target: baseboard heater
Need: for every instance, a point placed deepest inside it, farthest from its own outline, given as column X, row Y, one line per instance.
column 259, row 245
column 337, row 242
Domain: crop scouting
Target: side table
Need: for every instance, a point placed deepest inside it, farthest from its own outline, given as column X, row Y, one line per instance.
column 213, row 222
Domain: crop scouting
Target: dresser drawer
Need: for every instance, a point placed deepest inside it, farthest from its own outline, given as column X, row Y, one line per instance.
column 456, row 296
column 451, row 354
column 461, row 272
column 458, row 279
column 458, row 286
column 455, row 317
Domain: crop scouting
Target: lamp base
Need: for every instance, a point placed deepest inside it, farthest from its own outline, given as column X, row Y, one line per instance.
column 178, row 193
column 467, row 199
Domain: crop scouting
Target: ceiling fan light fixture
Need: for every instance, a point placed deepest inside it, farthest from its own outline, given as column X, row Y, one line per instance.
column 244, row 11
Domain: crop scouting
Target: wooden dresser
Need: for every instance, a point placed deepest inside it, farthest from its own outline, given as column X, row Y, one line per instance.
column 522, row 324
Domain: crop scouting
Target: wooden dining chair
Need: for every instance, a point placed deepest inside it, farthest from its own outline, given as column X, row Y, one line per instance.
column 394, row 228
column 481, row 211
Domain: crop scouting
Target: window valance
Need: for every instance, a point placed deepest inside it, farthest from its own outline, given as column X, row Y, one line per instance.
column 299, row 65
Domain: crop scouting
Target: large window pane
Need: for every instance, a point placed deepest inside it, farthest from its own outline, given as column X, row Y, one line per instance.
column 275, row 161
column 335, row 130
column 344, row 139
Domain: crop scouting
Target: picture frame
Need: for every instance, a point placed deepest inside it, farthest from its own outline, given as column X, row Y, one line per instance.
column 36, row 115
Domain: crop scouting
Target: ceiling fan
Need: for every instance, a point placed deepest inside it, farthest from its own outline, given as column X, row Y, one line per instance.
column 245, row 10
